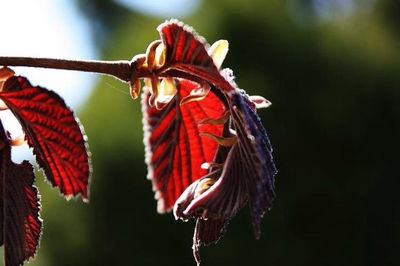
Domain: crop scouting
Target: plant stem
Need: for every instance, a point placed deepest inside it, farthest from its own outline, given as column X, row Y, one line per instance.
column 120, row 69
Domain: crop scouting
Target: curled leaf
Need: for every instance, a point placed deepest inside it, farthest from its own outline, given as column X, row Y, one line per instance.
column 197, row 94
column 151, row 54
column 135, row 88
column 5, row 73
column 216, row 121
column 218, row 52
column 166, row 92
column 223, row 141
column 259, row 101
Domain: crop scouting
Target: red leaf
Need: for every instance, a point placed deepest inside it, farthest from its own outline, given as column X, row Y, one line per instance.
column 19, row 206
column 174, row 148
column 53, row 132
column 186, row 51
column 258, row 166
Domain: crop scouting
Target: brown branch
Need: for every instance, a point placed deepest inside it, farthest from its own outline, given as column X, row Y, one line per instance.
column 120, row 69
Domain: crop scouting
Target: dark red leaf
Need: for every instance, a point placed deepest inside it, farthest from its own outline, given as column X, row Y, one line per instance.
column 53, row 132
column 174, row 149
column 186, row 51
column 225, row 196
column 19, row 206
column 255, row 148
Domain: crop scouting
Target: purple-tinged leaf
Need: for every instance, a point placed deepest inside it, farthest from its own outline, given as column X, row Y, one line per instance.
column 19, row 207
column 256, row 153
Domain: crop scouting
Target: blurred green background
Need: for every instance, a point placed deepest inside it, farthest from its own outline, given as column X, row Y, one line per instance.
column 331, row 68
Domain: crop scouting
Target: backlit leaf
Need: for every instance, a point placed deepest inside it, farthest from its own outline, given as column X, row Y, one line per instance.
column 175, row 150
column 186, row 51
column 53, row 132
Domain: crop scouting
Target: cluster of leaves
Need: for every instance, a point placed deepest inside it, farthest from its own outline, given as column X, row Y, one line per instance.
column 207, row 152
column 206, row 149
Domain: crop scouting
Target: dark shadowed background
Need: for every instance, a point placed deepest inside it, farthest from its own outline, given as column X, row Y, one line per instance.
column 331, row 68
